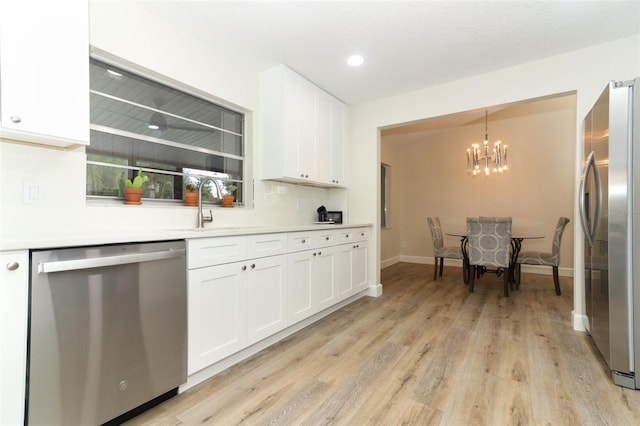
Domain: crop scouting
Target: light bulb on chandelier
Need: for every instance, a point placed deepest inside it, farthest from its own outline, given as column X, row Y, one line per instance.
column 478, row 157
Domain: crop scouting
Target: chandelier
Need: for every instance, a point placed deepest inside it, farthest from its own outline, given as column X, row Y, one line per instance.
column 484, row 159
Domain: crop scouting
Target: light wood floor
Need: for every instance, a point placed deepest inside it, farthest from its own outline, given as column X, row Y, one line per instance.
column 425, row 353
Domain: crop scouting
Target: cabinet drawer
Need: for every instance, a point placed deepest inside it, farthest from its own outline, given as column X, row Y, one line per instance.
column 326, row 238
column 264, row 245
column 298, row 241
column 360, row 234
column 352, row 235
column 215, row 251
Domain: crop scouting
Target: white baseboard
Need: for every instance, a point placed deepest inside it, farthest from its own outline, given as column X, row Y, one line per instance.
column 389, row 262
column 375, row 290
column 579, row 321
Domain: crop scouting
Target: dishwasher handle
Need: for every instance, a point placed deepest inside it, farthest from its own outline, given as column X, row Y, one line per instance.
column 97, row 262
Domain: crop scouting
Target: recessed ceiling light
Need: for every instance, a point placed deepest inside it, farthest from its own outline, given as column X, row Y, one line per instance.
column 355, row 60
column 153, row 126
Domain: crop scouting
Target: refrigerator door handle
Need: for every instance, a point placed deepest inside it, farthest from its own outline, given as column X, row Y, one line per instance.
column 596, row 223
column 588, row 232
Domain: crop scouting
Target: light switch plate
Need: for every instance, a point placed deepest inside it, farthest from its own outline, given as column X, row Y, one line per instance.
column 33, row 193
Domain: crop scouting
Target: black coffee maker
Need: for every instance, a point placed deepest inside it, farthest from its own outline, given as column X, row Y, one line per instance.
column 322, row 214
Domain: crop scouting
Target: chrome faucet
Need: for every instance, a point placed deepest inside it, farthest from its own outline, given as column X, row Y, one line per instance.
column 201, row 217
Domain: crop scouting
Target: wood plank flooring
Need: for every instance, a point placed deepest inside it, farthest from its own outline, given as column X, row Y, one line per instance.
column 425, row 353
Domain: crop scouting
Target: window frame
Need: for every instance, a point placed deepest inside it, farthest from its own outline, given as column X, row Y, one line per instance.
column 247, row 162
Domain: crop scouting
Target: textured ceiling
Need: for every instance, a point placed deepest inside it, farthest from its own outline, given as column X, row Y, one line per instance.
column 406, row 44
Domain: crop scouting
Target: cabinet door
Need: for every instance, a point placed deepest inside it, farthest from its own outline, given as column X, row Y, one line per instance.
column 44, row 75
column 306, row 131
column 217, row 313
column 266, row 297
column 300, row 285
column 298, row 122
column 338, row 151
column 344, row 279
column 323, row 137
column 325, row 290
column 359, row 270
column 292, row 165
column 14, row 289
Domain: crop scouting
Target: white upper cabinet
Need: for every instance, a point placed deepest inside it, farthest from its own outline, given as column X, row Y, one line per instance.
column 338, row 146
column 44, row 71
column 302, row 131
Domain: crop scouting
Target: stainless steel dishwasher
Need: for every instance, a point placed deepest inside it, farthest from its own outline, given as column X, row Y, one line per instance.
column 107, row 331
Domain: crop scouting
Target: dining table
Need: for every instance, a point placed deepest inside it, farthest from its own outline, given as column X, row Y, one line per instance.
column 516, row 246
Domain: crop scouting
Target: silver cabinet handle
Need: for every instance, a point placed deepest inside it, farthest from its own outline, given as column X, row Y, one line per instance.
column 75, row 264
column 315, row 254
column 253, row 266
column 12, row 266
column 304, row 241
column 244, row 267
column 15, row 118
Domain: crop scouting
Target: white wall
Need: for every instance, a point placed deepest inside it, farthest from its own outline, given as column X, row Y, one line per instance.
column 122, row 29
column 584, row 71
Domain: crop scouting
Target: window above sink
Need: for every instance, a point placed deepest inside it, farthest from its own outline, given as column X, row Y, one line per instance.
column 174, row 136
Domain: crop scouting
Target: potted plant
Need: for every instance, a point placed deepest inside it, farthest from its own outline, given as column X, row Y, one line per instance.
column 191, row 195
column 229, row 187
column 133, row 189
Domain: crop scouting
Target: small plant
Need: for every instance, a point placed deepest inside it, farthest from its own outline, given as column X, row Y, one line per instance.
column 190, row 187
column 229, row 186
column 138, row 181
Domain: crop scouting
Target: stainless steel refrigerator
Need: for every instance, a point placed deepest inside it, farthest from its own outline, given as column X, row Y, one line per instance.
column 610, row 215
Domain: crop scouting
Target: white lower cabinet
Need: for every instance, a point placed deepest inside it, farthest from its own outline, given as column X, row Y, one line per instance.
column 244, row 289
column 266, row 297
column 311, row 282
column 352, row 275
column 359, row 268
column 300, row 285
column 344, row 267
column 14, row 298
column 326, row 292
column 217, row 313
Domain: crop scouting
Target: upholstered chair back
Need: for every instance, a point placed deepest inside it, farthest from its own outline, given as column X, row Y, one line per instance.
column 436, row 233
column 557, row 237
column 489, row 241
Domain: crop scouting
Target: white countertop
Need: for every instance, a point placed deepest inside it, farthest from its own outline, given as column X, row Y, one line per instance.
column 86, row 238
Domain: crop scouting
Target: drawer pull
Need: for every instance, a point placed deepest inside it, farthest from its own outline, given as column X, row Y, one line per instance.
column 12, row 266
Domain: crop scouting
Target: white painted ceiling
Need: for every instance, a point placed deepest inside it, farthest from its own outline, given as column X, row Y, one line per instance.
column 406, row 44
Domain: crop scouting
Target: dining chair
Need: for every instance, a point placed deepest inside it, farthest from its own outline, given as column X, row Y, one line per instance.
column 544, row 258
column 440, row 251
column 489, row 245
